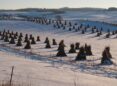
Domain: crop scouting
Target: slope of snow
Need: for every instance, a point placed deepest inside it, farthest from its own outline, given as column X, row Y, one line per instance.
column 56, row 73
column 38, row 73
column 31, row 14
column 103, row 16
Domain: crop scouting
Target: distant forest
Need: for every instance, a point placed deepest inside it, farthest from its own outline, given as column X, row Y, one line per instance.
column 61, row 10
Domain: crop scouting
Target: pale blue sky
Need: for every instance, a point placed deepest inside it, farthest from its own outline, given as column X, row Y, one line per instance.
column 14, row 4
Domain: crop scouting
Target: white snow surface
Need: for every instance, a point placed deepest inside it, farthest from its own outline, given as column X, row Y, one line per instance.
column 102, row 16
column 61, row 72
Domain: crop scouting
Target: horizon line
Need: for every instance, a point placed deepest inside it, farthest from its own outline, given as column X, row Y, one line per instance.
column 54, row 8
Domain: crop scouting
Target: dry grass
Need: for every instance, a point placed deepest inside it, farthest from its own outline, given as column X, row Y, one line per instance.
column 7, row 84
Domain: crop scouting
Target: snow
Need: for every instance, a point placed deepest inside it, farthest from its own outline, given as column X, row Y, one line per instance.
column 40, row 73
column 103, row 16
column 31, row 14
column 99, row 25
column 45, row 69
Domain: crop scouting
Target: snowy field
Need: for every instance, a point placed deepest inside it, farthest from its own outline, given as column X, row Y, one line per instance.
column 39, row 73
column 106, row 16
column 103, row 16
column 45, row 69
column 13, row 57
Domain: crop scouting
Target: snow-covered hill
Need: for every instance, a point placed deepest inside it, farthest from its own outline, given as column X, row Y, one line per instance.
column 103, row 16
column 44, row 68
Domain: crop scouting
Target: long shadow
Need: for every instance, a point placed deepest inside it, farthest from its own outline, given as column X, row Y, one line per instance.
column 81, row 67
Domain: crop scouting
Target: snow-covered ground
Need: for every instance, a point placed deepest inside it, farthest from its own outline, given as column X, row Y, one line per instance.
column 39, row 73
column 55, row 70
column 31, row 14
column 103, row 16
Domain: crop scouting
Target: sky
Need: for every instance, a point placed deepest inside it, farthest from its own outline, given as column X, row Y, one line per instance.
column 16, row 4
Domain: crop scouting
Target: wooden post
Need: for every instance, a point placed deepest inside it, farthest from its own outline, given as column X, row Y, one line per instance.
column 11, row 78
column 93, row 61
